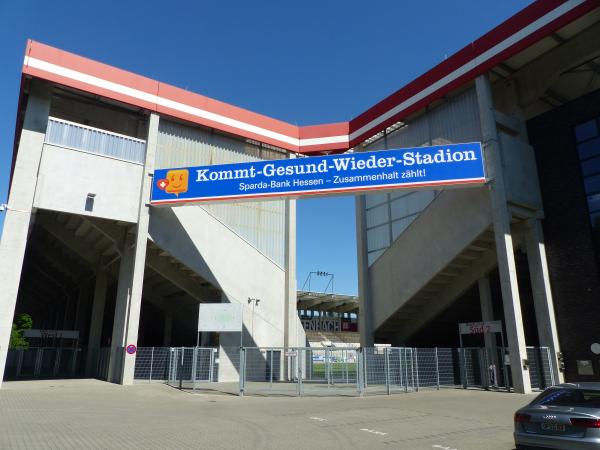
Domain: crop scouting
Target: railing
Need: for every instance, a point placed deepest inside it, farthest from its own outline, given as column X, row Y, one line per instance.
column 94, row 140
column 329, row 371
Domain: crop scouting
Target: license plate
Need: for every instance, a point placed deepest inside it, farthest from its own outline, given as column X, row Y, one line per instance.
column 549, row 426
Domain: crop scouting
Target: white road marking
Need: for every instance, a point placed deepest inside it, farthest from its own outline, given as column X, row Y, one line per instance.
column 320, row 419
column 379, row 433
column 443, row 448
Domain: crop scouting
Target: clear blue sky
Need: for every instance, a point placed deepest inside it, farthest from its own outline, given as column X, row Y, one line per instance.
column 303, row 62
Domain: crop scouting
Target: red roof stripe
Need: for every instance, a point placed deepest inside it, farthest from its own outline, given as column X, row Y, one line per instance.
column 505, row 40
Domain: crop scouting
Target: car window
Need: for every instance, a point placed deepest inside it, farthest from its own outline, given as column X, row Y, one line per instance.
column 569, row 397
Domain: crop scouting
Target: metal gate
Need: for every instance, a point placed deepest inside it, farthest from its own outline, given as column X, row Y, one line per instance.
column 300, row 370
column 189, row 366
column 480, row 369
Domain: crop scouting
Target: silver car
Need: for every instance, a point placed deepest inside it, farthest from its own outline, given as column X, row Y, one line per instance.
column 565, row 417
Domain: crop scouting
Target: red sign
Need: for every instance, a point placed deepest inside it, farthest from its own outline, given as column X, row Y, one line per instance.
column 131, row 349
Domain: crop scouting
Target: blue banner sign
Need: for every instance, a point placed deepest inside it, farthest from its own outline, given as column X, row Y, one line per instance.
column 440, row 165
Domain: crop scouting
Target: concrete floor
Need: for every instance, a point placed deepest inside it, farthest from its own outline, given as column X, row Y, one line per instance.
column 82, row 414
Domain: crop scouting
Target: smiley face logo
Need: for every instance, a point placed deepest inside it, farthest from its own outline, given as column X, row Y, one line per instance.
column 176, row 182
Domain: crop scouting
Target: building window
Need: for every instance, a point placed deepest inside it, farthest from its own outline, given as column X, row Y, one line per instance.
column 587, row 137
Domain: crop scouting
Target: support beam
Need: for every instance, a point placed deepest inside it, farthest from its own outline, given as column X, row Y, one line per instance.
column 159, row 264
column 96, row 322
column 86, row 251
column 291, row 322
column 191, row 286
column 503, row 236
column 536, row 77
column 20, row 202
column 129, row 299
column 365, row 311
column 542, row 294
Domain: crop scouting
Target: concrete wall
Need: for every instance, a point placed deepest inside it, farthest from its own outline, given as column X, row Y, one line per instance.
column 204, row 244
column 444, row 229
column 67, row 176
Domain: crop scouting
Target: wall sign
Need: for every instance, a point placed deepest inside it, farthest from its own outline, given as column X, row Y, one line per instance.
column 494, row 326
column 220, row 317
column 441, row 165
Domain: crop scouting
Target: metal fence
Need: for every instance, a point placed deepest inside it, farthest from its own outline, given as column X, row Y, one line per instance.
column 186, row 367
column 42, row 362
column 333, row 370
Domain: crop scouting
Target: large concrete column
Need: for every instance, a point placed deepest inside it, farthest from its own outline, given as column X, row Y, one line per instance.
column 365, row 312
column 131, row 274
column 96, row 322
column 542, row 294
column 503, row 236
column 20, row 203
column 291, row 314
column 487, row 315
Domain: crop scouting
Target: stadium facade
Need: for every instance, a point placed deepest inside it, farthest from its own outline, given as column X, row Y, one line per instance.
column 82, row 250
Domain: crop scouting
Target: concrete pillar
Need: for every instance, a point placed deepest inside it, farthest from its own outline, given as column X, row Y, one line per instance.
column 168, row 330
column 542, row 294
column 487, row 315
column 365, row 312
column 20, row 203
column 503, row 236
column 291, row 315
column 96, row 322
column 131, row 274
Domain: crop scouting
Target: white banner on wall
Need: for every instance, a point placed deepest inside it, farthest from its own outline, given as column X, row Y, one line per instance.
column 222, row 317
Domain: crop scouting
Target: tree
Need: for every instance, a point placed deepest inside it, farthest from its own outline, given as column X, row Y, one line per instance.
column 17, row 340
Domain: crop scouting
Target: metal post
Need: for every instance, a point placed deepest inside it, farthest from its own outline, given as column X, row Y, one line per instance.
column 483, row 368
column 211, row 365
column 38, row 361
column 242, row 370
column 400, row 367
column 57, row 353
column 406, row 370
column 194, row 367
column 327, row 366
column 437, row 368
column 271, row 370
column 417, row 367
column 387, row 370
column 151, row 362
column 75, row 352
column 552, row 380
column 181, row 369
column 464, row 368
column 20, row 362
column 345, row 358
column 504, row 368
column 299, row 371
column 363, row 354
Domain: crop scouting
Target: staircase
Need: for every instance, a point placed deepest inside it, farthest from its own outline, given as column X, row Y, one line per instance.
column 437, row 258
